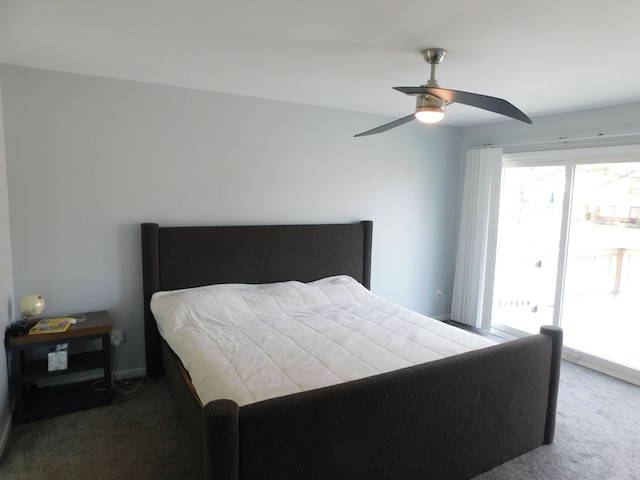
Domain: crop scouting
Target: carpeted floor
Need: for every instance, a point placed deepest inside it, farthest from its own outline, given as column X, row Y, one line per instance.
column 140, row 436
column 137, row 436
column 597, row 433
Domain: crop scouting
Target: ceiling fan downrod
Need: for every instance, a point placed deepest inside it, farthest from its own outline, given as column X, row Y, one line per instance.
column 433, row 56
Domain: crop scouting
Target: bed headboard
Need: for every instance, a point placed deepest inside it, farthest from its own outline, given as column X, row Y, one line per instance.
column 183, row 257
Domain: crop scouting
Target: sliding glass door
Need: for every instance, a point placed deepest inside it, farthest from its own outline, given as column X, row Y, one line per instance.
column 530, row 221
column 568, row 252
column 600, row 312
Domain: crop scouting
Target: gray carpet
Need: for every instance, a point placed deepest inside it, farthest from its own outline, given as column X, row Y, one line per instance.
column 137, row 436
column 140, row 436
column 597, row 433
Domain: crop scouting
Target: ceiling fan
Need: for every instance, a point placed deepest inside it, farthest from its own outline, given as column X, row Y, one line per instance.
column 432, row 100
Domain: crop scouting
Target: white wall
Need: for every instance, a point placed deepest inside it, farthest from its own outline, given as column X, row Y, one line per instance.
column 89, row 159
column 616, row 124
column 6, row 289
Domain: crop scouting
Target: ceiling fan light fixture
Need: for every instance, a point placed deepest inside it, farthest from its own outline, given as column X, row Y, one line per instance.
column 429, row 109
column 429, row 113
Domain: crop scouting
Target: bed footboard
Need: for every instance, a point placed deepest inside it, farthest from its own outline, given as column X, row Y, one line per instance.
column 453, row 418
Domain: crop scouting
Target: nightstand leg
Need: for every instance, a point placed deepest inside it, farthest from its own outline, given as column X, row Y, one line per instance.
column 106, row 348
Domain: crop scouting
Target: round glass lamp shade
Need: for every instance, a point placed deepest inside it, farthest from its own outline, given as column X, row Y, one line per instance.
column 430, row 113
column 31, row 305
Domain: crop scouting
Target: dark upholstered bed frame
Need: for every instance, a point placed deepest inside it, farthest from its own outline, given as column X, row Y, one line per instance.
column 449, row 419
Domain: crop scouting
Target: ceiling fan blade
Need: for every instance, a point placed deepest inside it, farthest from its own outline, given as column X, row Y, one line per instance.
column 412, row 90
column 387, row 126
column 492, row 104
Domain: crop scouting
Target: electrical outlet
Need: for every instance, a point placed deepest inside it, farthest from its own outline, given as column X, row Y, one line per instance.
column 439, row 294
column 117, row 338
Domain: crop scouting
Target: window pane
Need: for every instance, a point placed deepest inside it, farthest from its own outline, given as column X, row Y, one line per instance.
column 528, row 242
column 602, row 280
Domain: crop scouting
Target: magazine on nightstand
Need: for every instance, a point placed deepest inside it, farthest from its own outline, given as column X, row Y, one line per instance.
column 51, row 325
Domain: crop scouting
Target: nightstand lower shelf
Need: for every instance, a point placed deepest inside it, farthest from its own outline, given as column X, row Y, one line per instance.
column 44, row 402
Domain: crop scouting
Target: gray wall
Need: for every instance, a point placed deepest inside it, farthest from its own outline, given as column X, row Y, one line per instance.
column 6, row 287
column 90, row 158
column 618, row 124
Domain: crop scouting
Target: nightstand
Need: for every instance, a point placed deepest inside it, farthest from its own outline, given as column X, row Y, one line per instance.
column 40, row 393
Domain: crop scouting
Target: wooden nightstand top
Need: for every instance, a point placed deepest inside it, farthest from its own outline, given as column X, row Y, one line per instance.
column 95, row 324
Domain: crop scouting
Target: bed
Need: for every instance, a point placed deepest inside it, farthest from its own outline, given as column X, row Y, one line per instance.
column 451, row 418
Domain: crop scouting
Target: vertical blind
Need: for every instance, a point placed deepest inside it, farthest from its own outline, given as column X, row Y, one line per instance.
column 478, row 227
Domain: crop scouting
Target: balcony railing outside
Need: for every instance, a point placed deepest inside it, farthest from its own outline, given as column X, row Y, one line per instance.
column 600, row 272
column 595, row 272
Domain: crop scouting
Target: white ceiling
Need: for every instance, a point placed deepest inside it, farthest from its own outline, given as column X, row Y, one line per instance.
column 544, row 56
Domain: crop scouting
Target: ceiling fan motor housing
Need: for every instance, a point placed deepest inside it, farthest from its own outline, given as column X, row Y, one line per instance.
column 423, row 101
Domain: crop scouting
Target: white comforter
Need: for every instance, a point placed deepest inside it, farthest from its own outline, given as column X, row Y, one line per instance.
column 253, row 342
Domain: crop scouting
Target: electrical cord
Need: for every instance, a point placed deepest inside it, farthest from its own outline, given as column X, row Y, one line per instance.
column 80, row 317
column 122, row 386
column 126, row 385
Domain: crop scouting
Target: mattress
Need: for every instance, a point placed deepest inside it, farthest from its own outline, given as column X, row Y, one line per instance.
column 253, row 342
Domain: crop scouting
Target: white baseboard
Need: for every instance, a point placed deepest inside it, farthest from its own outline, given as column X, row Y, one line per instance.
column 442, row 318
column 4, row 437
